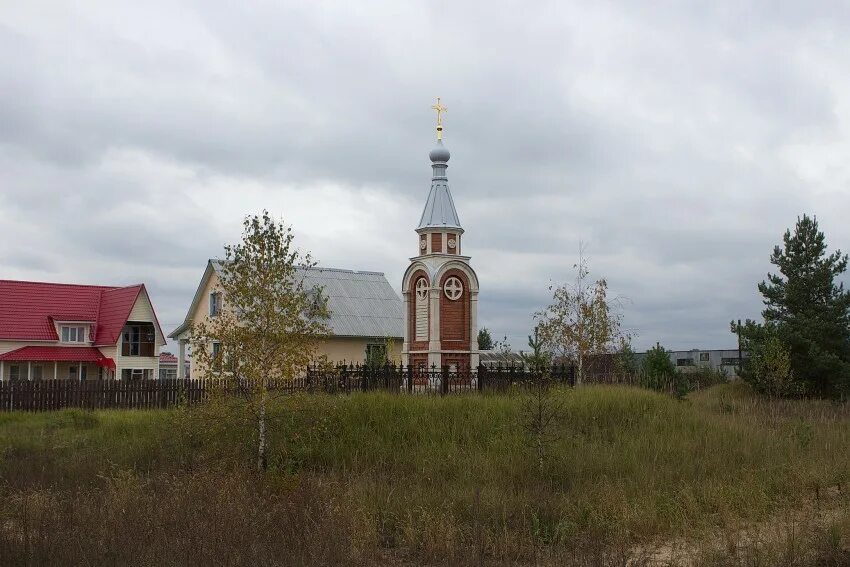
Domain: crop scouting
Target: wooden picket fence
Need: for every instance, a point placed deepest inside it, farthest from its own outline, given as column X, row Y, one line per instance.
column 45, row 395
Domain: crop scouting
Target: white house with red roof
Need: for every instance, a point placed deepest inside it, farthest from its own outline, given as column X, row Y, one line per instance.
column 51, row 330
column 167, row 366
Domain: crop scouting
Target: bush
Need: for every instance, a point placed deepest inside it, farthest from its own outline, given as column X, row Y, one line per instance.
column 658, row 370
column 769, row 371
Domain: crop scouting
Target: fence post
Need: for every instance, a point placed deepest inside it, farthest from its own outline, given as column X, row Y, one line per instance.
column 480, row 378
column 445, row 385
column 410, row 377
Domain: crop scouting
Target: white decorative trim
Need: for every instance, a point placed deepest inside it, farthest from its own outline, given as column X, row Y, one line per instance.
column 415, row 265
column 420, row 310
column 453, row 288
column 459, row 264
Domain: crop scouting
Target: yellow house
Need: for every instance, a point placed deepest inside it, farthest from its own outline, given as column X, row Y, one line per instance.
column 366, row 314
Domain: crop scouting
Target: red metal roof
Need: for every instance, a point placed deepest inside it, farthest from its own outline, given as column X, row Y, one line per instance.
column 28, row 309
column 167, row 358
column 51, row 353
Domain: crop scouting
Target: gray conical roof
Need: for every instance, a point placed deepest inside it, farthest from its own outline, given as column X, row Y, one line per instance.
column 439, row 208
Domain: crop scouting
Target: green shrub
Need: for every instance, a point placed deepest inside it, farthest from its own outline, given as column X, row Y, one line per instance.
column 658, row 369
column 768, row 369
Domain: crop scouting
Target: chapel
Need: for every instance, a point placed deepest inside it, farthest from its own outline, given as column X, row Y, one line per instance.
column 440, row 288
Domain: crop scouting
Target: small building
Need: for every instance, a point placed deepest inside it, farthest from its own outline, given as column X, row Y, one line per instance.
column 366, row 314
column 167, row 366
column 80, row 332
column 496, row 358
column 721, row 360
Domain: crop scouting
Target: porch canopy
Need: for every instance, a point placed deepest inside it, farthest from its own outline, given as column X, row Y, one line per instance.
column 58, row 354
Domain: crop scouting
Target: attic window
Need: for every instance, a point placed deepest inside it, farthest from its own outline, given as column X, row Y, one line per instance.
column 215, row 303
column 73, row 334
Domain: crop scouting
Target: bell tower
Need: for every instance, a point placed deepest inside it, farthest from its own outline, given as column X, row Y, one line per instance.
column 440, row 288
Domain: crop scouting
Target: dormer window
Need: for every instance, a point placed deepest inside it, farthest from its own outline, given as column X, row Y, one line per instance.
column 215, row 303
column 73, row 334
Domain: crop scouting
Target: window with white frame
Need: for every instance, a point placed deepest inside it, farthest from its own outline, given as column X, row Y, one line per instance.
column 216, row 356
column 215, row 303
column 73, row 334
column 136, row 374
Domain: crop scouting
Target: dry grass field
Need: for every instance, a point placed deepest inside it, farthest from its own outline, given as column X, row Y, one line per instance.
column 630, row 477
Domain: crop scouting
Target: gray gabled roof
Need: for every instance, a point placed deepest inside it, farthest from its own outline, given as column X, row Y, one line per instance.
column 361, row 304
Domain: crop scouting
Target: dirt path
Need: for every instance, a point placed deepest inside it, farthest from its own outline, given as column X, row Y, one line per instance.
column 801, row 536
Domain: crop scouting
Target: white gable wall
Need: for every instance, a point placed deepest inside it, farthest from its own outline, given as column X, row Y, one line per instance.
column 142, row 311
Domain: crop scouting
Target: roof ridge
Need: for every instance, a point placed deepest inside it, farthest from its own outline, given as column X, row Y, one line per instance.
column 345, row 271
column 120, row 288
column 327, row 269
column 95, row 286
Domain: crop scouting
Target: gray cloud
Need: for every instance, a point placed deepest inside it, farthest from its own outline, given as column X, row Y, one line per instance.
column 677, row 141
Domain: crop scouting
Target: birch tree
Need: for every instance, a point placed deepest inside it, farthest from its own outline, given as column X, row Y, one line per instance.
column 270, row 322
column 581, row 321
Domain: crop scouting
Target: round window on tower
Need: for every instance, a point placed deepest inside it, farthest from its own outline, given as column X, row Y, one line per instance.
column 453, row 288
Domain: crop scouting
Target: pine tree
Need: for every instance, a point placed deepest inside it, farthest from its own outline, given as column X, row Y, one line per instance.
column 658, row 369
column 538, row 357
column 485, row 341
column 808, row 311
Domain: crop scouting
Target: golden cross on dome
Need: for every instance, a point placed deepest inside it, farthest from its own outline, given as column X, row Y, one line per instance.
column 440, row 110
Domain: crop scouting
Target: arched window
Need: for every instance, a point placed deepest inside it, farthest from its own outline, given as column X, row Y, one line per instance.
column 421, row 309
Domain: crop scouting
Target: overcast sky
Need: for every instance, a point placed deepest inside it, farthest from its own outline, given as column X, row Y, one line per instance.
column 677, row 142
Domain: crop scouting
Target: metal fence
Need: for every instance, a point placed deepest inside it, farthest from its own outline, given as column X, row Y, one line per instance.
column 41, row 395
column 360, row 378
column 44, row 395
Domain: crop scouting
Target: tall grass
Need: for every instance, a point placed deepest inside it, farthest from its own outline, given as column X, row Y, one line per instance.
column 382, row 478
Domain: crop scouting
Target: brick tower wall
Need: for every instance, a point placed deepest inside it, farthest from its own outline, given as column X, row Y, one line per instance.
column 455, row 315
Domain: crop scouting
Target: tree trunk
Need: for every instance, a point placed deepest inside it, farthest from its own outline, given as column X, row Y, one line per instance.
column 262, row 462
column 580, row 373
